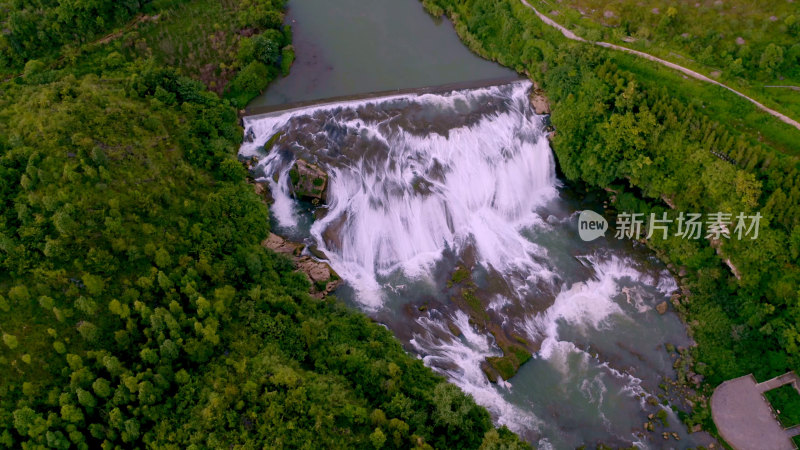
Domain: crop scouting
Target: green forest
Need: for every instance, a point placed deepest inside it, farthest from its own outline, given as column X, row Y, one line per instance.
column 754, row 46
column 656, row 139
column 137, row 306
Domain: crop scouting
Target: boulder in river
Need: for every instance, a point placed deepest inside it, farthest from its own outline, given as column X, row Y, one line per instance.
column 661, row 307
column 506, row 366
column 308, row 181
column 249, row 135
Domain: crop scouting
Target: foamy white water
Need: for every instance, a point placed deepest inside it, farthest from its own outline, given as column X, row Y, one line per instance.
column 400, row 209
column 418, row 182
column 584, row 304
column 469, row 350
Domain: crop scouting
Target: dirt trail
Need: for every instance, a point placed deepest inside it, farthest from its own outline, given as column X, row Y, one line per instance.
column 570, row 35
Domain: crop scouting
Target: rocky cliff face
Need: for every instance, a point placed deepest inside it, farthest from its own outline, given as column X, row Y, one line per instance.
column 539, row 101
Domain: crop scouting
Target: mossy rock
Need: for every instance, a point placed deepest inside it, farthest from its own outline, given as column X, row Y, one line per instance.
column 490, row 371
column 522, row 354
column 520, row 339
column 271, row 142
column 459, row 275
column 308, row 181
column 473, row 301
column 507, row 365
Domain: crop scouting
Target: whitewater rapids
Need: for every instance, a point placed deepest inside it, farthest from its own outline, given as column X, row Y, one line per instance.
column 410, row 194
column 422, row 184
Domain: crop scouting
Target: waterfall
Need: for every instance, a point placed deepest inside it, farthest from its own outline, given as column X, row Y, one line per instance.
column 468, row 173
column 422, row 184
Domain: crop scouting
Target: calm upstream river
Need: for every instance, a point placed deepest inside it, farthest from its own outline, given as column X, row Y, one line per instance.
column 423, row 185
column 348, row 47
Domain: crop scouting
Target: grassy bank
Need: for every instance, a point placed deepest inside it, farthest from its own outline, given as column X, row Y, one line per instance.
column 743, row 44
column 137, row 306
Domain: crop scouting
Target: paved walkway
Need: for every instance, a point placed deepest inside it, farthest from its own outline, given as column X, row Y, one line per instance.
column 570, row 35
column 744, row 418
column 780, row 380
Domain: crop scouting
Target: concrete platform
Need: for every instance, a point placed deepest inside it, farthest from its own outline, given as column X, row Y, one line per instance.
column 745, row 419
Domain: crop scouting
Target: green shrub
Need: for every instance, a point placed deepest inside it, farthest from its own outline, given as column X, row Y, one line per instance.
column 287, row 58
column 33, row 67
column 249, row 83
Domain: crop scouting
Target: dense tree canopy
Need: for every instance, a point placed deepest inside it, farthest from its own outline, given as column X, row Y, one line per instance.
column 137, row 306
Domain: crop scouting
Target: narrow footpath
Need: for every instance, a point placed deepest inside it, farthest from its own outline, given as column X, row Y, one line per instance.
column 570, row 35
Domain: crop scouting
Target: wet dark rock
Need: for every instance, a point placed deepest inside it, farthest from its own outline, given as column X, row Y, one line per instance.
column 332, row 235
column 251, row 162
column 249, row 135
column 490, row 371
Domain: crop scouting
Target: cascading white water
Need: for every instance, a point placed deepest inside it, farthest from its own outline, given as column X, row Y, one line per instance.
column 417, row 182
column 469, row 350
column 478, row 184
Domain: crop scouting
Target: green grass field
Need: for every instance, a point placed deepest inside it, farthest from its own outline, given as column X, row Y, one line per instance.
column 726, row 41
column 786, row 402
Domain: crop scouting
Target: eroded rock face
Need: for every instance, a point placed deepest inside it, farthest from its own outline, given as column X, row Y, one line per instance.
column 281, row 245
column 539, row 101
column 262, row 190
column 308, row 181
column 323, row 278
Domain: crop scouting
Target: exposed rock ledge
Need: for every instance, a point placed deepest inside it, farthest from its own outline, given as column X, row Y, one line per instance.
column 539, row 101
column 323, row 278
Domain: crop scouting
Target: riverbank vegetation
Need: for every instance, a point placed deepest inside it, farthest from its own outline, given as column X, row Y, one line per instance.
column 137, row 306
column 664, row 144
